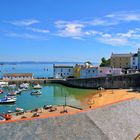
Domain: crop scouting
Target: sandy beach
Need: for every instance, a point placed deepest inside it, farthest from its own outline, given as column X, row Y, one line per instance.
column 111, row 96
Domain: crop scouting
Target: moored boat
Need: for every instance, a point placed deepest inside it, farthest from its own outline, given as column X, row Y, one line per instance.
column 1, row 91
column 19, row 109
column 36, row 92
column 7, row 100
column 11, row 94
column 37, row 86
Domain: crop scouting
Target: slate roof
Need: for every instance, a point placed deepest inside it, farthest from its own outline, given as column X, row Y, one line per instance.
column 120, row 121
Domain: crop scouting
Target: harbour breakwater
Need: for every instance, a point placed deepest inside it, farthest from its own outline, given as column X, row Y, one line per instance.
column 109, row 82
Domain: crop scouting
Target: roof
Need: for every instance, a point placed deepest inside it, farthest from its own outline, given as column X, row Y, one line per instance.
column 122, row 55
column 119, row 121
column 63, row 66
column 135, row 55
column 17, row 74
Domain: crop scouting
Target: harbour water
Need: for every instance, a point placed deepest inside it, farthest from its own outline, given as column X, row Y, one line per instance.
column 52, row 94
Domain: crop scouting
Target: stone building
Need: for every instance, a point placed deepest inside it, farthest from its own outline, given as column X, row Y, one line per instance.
column 18, row 76
column 121, row 60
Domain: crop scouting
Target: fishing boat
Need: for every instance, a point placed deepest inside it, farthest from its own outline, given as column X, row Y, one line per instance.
column 37, row 86
column 36, row 93
column 7, row 100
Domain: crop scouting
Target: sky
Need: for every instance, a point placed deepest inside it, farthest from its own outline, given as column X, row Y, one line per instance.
column 68, row 30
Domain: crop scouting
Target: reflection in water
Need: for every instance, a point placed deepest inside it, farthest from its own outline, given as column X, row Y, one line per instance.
column 53, row 94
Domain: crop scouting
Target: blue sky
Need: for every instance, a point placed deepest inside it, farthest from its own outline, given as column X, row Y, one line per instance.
column 68, row 30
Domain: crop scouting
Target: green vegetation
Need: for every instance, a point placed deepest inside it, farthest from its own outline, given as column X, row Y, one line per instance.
column 105, row 62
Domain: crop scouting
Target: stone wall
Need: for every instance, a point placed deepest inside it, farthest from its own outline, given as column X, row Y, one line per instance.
column 122, row 81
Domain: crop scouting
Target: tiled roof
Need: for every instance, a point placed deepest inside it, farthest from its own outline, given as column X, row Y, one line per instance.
column 17, row 74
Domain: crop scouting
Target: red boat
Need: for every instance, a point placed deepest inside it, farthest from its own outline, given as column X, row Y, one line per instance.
column 1, row 91
column 7, row 116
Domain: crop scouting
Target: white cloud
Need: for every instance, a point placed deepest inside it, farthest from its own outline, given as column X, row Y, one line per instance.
column 25, row 22
column 114, row 41
column 38, row 30
column 70, row 29
column 126, row 16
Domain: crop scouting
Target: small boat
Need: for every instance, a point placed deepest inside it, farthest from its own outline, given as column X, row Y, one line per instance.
column 24, row 85
column 7, row 100
column 47, row 106
column 18, row 91
column 11, row 94
column 36, row 93
column 12, row 86
column 7, row 116
column 37, row 86
column 19, row 109
column 1, row 91
column 2, row 118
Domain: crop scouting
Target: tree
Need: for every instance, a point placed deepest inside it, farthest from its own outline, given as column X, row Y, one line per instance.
column 105, row 62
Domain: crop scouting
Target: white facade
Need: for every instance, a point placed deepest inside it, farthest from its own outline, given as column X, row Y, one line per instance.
column 99, row 72
column 62, row 71
column 89, row 72
column 18, row 76
column 134, row 61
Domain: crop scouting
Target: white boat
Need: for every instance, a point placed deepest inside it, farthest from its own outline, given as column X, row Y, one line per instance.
column 19, row 109
column 3, row 84
column 24, row 85
column 18, row 91
column 12, row 86
column 7, row 100
column 37, row 86
column 36, row 92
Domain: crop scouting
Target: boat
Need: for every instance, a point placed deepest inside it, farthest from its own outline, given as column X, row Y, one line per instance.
column 37, row 86
column 18, row 91
column 2, row 118
column 3, row 84
column 24, row 86
column 12, row 86
column 7, row 100
column 1, row 91
column 11, row 94
column 19, row 109
column 36, row 92
column 47, row 106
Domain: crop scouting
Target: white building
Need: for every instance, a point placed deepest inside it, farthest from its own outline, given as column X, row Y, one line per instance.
column 90, row 72
column 18, row 76
column 62, row 71
column 134, row 61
